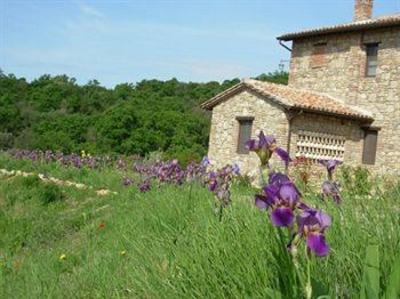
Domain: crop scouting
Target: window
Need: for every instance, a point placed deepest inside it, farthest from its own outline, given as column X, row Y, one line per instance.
column 317, row 145
column 372, row 59
column 318, row 58
column 370, row 143
column 245, row 125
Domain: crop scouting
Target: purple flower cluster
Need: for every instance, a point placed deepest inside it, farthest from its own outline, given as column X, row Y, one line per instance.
column 264, row 146
column 284, row 202
column 197, row 170
column 126, row 181
column 170, row 172
column 144, row 186
column 219, row 182
column 74, row 160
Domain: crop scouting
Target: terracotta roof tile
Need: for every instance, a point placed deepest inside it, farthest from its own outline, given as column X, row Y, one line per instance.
column 292, row 98
column 383, row 21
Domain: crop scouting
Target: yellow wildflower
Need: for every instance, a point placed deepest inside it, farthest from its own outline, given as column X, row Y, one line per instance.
column 62, row 257
column 123, row 252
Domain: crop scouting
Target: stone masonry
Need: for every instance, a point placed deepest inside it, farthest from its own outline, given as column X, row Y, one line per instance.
column 343, row 76
column 316, row 114
column 225, row 129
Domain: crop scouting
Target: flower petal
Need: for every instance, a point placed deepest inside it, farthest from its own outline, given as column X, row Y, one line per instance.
column 283, row 155
column 323, row 219
column 282, row 216
column 265, row 141
column 212, row 185
column 288, row 192
column 261, row 202
column 317, row 244
column 205, row 161
column 251, row 145
column 271, row 192
column 277, row 178
column 332, row 164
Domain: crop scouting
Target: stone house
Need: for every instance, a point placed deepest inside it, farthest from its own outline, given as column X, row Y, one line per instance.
column 342, row 101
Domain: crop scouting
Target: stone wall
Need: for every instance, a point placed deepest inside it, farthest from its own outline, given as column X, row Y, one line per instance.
column 225, row 129
column 343, row 76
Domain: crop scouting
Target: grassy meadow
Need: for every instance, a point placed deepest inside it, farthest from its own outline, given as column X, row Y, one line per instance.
column 64, row 242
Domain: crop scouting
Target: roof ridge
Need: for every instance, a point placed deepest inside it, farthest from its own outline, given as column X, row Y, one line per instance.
column 285, row 102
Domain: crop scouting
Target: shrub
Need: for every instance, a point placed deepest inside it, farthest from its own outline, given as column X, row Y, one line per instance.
column 49, row 193
column 356, row 180
column 243, row 181
column 30, row 181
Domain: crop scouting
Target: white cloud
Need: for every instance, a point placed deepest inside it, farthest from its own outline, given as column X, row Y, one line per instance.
column 89, row 10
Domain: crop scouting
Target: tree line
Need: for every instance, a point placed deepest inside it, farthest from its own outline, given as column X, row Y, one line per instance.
column 54, row 112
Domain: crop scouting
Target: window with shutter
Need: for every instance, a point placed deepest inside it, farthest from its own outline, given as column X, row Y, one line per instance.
column 245, row 125
column 370, row 144
column 372, row 59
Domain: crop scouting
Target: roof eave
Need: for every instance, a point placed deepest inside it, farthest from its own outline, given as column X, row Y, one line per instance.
column 335, row 30
column 211, row 103
column 214, row 101
column 363, row 118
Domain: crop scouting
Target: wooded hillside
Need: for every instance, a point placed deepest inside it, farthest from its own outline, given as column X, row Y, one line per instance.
column 54, row 112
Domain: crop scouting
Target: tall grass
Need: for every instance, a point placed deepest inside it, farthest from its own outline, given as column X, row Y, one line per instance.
column 168, row 243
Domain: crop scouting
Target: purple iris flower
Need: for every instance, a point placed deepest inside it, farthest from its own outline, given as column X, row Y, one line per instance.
column 212, row 181
column 330, row 166
column 126, row 181
column 282, row 198
column 144, row 186
column 236, row 169
column 264, row 146
column 331, row 189
column 277, row 178
column 205, row 162
column 312, row 225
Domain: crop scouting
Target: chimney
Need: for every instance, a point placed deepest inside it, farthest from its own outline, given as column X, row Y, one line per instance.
column 363, row 10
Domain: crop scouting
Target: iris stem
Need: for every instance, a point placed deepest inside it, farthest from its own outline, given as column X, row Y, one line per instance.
column 221, row 210
column 262, row 177
column 308, row 288
column 190, row 190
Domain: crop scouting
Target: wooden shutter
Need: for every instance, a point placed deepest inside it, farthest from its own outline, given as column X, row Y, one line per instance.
column 370, row 144
column 245, row 125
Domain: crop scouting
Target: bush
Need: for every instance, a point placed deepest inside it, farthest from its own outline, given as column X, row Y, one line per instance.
column 31, row 181
column 50, row 193
column 243, row 181
column 356, row 180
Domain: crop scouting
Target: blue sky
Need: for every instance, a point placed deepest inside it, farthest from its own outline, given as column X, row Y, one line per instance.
column 126, row 41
